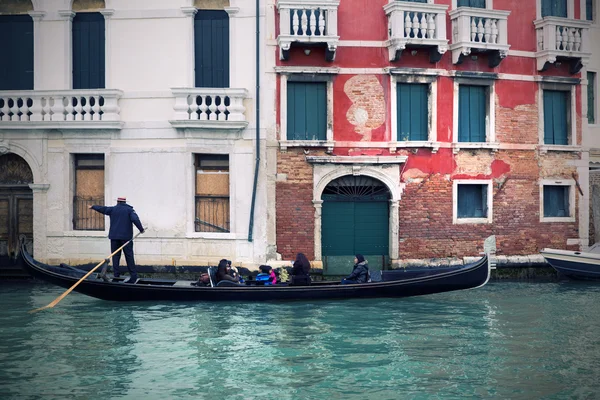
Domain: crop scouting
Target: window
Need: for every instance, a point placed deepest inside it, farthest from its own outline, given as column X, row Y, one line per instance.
column 88, row 51
column 211, row 42
column 556, row 117
column 472, row 103
column 554, row 8
column 471, row 3
column 591, row 97
column 306, row 110
column 212, row 193
column 589, row 10
column 412, row 111
column 16, row 68
column 89, row 190
column 557, row 200
column 472, row 202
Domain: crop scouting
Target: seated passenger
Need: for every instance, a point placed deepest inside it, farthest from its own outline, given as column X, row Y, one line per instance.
column 360, row 273
column 266, row 276
column 300, row 271
column 224, row 273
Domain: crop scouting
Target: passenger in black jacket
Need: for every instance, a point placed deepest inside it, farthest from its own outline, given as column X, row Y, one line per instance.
column 300, row 271
column 360, row 273
column 122, row 218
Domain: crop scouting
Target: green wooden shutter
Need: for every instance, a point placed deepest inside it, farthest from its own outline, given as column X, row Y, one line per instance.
column 591, row 98
column 555, row 8
column 88, row 51
column 307, row 111
column 555, row 117
column 556, row 201
column 412, row 111
column 471, row 3
column 472, row 201
column 589, row 10
column 16, row 62
column 471, row 113
column 211, row 48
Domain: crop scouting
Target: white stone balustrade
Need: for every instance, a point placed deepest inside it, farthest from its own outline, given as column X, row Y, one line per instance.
column 418, row 24
column 562, row 37
column 80, row 109
column 310, row 22
column 213, row 108
column 479, row 29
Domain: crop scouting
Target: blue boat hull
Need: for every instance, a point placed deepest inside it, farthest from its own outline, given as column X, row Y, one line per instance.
column 574, row 264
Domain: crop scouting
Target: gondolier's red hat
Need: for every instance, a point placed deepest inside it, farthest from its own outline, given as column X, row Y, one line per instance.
column 122, row 199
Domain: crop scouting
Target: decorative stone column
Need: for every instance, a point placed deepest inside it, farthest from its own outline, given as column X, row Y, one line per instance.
column 394, row 228
column 234, row 49
column 39, row 220
column 190, row 13
column 108, row 13
column 317, row 245
column 67, row 16
column 37, row 47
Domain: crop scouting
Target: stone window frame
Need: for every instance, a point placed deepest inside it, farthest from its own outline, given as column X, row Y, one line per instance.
column 305, row 74
column 75, row 157
column 409, row 75
column 476, row 79
column 570, row 183
column 566, row 85
column 490, row 202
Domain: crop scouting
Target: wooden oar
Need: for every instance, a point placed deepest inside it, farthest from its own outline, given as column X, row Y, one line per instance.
column 62, row 296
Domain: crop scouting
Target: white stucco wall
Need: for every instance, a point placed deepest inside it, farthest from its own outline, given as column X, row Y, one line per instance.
column 593, row 135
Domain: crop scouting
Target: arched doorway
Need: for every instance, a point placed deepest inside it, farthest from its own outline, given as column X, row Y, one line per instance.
column 355, row 220
column 16, row 211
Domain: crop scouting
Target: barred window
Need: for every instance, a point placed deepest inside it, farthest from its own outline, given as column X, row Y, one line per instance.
column 88, row 190
column 212, row 193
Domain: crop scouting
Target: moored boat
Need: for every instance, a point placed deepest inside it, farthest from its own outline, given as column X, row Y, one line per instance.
column 575, row 264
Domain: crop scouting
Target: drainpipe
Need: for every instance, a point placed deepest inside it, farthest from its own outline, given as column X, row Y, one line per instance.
column 257, row 95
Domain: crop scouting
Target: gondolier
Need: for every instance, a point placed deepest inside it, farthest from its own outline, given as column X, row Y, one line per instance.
column 122, row 218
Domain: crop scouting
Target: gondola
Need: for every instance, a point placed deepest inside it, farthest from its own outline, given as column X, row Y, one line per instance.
column 577, row 265
column 402, row 282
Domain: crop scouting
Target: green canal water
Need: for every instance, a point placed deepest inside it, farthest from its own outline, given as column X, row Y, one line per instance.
column 508, row 340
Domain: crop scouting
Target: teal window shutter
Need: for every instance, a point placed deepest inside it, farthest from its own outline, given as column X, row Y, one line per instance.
column 555, row 117
column 471, row 113
column 211, row 48
column 472, row 201
column 589, row 10
column 307, row 111
column 554, row 8
column 556, row 201
column 16, row 67
column 591, row 93
column 412, row 111
column 88, row 51
column 471, row 3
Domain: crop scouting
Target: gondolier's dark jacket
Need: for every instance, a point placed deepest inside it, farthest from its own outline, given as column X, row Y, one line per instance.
column 121, row 217
column 360, row 272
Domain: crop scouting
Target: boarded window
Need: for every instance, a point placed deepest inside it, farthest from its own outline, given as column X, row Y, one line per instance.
column 472, row 112
column 554, row 8
column 472, row 201
column 471, row 3
column 16, row 67
column 556, row 201
column 88, row 51
column 556, row 117
column 212, row 193
column 89, row 190
column 413, row 115
column 211, row 42
column 307, row 110
column 591, row 93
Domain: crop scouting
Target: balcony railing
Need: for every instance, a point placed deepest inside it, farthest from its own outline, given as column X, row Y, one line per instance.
column 562, row 38
column 308, row 21
column 75, row 109
column 416, row 24
column 209, row 108
column 481, row 30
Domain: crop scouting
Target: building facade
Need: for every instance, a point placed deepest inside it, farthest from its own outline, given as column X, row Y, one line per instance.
column 415, row 129
column 153, row 100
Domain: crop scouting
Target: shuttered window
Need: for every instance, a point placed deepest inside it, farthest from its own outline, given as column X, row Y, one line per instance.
column 89, row 190
column 88, row 51
column 211, row 46
column 16, row 61
column 306, row 110
column 412, row 111
column 212, row 193
column 589, row 10
column 472, row 201
column 556, row 112
column 556, row 201
column 591, row 96
column 554, row 8
column 471, row 3
column 472, row 113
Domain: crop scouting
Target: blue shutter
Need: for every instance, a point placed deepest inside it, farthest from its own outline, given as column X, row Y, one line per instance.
column 471, row 113
column 307, row 111
column 471, row 3
column 88, row 51
column 556, row 201
column 555, row 8
column 211, row 46
column 589, row 10
column 555, row 117
column 16, row 62
column 472, row 201
column 412, row 111
column 591, row 89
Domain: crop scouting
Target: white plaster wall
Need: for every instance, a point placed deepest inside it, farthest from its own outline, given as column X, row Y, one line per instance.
column 593, row 136
column 53, row 74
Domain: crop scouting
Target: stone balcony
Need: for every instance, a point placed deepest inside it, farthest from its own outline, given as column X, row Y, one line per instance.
column 416, row 25
column 479, row 30
column 209, row 108
column 60, row 109
column 562, row 39
column 308, row 22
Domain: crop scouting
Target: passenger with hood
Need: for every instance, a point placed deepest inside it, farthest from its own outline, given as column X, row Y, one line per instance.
column 360, row 273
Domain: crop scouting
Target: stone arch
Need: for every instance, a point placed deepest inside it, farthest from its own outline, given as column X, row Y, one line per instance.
column 12, row 7
column 26, row 156
column 392, row 186
column 87, row 5
column 211, row 4
column 14, row 170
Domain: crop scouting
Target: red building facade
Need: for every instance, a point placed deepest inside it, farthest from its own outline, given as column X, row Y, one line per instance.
column 414, row 130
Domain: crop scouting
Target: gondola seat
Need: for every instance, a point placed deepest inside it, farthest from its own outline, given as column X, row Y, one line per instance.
column 228, row 283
